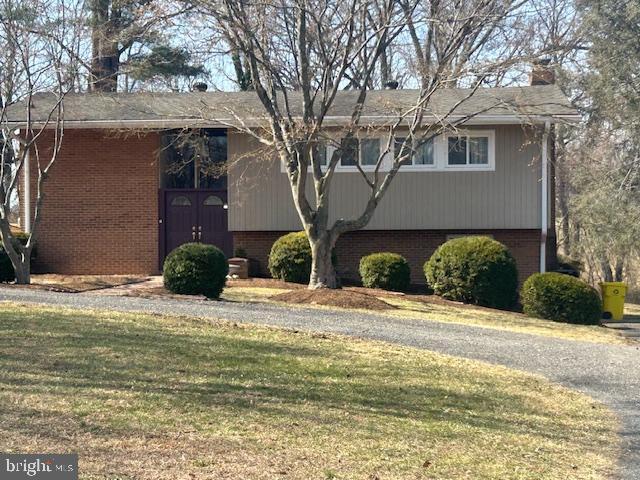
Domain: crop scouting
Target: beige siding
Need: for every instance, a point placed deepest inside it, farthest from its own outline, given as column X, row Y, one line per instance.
column 507, row 198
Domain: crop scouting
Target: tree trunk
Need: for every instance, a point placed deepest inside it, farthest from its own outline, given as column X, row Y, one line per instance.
column 323, row 273
column 105, row 62
column 23, row 272
column 619, row 270
column 605, row 268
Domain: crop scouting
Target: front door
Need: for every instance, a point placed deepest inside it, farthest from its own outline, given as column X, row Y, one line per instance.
column 193, row 190
column 196, row 216
column 181, row 219
column 213, row 228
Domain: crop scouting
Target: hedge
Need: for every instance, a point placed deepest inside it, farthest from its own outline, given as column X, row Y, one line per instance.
column 196, row 269
column 386, row 270
column 474, row 269
column 562, row 298
column 290, row 258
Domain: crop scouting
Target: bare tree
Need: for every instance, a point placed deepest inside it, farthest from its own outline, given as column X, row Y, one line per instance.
column 301, row 53
column 32, row 36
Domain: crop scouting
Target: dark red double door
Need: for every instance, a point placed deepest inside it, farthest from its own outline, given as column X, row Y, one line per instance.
column 196, row 216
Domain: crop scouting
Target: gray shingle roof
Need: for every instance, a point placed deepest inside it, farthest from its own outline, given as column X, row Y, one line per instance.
column 223, row 108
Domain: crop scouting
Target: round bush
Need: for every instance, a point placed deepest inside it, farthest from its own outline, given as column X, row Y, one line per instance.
column 474, row 269
column 388, row 271
column 290, row 258
column 562, row 298
column 196, row 269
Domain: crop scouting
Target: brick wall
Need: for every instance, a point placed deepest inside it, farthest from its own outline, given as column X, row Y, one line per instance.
column 100, row 213
column 415, row 245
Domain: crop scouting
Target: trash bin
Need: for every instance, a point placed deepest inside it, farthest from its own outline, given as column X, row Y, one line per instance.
column 613, row 299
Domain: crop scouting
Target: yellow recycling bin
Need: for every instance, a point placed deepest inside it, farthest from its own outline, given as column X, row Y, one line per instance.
column 613, row 299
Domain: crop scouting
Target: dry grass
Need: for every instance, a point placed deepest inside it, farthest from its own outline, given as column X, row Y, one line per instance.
column 150, row 397
column 433, row 308
column 632, row 311
column 451, row 312
column 82, row 283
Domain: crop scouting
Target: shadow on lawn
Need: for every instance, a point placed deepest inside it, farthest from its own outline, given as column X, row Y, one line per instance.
column 198, row 372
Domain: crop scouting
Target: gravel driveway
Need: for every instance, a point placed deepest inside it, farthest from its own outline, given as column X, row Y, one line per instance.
column 610, row 373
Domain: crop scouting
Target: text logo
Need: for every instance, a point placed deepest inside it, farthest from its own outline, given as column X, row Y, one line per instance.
column 38, row 466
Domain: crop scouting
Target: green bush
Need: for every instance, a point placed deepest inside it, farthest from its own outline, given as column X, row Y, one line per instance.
column 196, row 269
column 562, row 298
column 290, row 258
column 474, row 269
column 388, row 271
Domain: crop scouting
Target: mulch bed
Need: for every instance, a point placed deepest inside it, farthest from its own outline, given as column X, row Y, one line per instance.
column 264, row 283
column 347, row 297
column 333, row 298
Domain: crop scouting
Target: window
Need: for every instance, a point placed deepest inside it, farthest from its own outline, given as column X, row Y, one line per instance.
column 181, row 202
column 366, row 152
column 468, row 150
column 320, row 152
column 478, row 150
column 423, row 154
column 350, row 152
column 370, row 148
column 194, row 159
column 213, row 201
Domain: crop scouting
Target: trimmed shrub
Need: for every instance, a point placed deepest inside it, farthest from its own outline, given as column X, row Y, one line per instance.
column 388, row 271
column 559, row 297
column 196, row 269
column 290, row 258
column 474, row 269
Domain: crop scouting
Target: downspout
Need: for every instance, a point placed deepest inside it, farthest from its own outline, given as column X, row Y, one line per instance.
column 544, row 212
column 26, row 171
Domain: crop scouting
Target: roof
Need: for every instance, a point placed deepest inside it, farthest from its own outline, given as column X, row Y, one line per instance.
column 216, row 109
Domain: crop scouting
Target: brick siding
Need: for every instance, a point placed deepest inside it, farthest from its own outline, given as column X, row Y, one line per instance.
column 100, row 214
column 415, row 245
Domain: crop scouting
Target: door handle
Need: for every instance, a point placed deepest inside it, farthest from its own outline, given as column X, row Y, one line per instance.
column 200, row 233
column 193, row 232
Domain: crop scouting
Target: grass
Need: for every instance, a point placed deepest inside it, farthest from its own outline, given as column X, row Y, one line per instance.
column 440, row 310
column 151, row 397
column 250, row 294
column 502, row 320
column 632, row 311
column 82, row 283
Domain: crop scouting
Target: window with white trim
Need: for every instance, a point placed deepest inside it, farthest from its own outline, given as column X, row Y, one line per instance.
column 423, row 155
column 470, row 150
column 320, row 152
column 466, row 150
column 364, row 151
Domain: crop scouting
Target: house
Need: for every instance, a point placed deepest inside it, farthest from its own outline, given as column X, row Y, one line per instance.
column 116, row 202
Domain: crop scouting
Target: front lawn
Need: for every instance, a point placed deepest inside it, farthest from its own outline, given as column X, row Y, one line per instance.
column 433, row 308
column 149, row 397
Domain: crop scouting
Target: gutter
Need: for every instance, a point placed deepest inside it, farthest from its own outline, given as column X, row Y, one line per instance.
column 26, row 171
column 544, row 204
column 254, row 122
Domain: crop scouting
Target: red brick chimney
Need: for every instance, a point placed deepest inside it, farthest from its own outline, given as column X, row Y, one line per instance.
column 542, row 72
